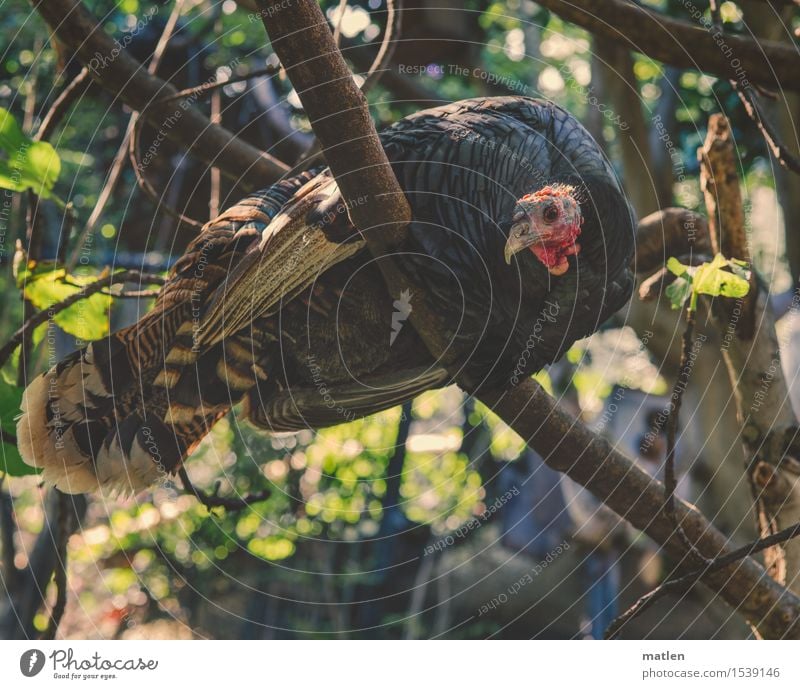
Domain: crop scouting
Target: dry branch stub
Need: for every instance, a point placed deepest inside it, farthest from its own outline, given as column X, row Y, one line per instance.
column 751, row 352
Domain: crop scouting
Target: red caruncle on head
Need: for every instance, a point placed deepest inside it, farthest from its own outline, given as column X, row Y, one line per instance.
column 548, row 223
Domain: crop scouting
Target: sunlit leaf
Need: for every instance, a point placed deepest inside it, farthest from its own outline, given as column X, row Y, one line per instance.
column 721, row 277
column 46, row 284
column 676, row 267
column 712, row 279
column 678, row 292
column 24, row 163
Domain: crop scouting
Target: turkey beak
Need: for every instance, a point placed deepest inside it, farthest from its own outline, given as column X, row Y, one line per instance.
column 520, row 237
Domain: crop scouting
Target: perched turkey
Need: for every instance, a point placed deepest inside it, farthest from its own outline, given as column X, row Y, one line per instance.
column 521, row 240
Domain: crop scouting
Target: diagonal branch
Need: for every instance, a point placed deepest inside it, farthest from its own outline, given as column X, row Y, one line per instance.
column 213, row 499
column 118, row 164
column 120, row 74
column 681, row 583
column 336, row 106
column 683, row 44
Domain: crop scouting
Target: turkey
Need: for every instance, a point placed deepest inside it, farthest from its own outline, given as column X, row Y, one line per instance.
column 521, row 241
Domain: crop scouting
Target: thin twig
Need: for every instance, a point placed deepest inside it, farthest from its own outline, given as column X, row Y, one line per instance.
column 62, row 104
column 133, row 294
column 337, row 32
column 216, row 118
column 753, row 109
column 212, row 500
column 670, row 481
column 747, row 94
column 269, row 71
column 716, row 16
column 60, row 573
column 687, row 580
column 120, row 157
column 390, row 36
column 146, row 186
column 44, row 315
column 133, row 152
column 6, row 437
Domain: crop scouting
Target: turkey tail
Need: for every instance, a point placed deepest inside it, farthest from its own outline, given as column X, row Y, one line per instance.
column 99, row 420
column 95, row 420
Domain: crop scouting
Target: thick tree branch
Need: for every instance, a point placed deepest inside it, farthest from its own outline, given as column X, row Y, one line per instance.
column 114, row 69
column 683, row 44
column 341, row 120
column 338, row 113
column 681, row 583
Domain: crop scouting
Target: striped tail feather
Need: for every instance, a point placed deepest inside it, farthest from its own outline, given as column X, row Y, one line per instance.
column 99, row 421
column 77, row 415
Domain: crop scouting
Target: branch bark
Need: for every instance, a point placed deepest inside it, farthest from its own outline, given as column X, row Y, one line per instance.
column 339, row 116
column 306, row 48
column 683, row 44
column 751, row 352
column 115, row 70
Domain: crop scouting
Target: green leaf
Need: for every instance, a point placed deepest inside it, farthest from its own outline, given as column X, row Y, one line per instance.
column 12, row 464
column 25, row 163
column 46, row 284
column 10, row 460
column 678, row 292
column 675, row 267
column 712, row 279
column 721, row 277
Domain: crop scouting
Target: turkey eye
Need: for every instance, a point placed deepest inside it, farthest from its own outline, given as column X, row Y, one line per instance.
column 550, row 214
